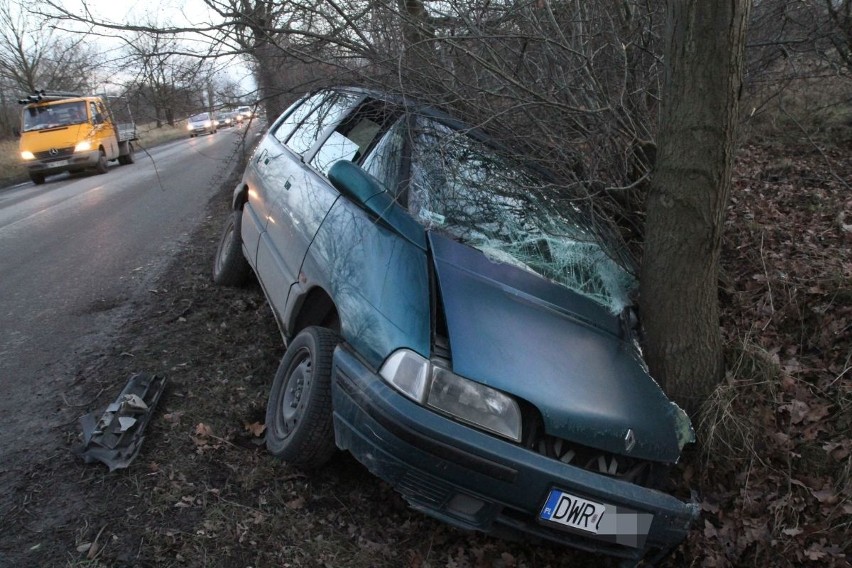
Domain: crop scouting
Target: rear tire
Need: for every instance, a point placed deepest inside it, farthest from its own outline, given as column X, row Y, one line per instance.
column 127, row 158
column 37, row 179
column 230, row 268
column 299, row 425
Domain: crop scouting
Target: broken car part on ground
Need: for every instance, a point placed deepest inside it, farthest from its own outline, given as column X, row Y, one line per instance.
column 116, row 437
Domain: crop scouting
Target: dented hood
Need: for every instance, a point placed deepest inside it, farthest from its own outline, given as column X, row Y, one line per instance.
column 559, row 351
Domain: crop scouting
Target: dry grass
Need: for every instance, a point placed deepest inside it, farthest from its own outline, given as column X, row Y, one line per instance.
column 727, row 431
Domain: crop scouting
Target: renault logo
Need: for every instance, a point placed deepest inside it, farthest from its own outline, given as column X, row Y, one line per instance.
column 629, row 440
column 53, row 151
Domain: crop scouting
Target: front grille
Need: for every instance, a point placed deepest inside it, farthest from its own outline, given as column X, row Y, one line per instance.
column 640, row 472
column 60, row 154
column 424, row 488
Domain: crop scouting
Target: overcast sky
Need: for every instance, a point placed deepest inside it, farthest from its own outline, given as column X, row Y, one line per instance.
column 162, row 13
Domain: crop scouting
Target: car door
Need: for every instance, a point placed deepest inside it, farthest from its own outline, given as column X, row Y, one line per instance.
column 105, row 133
column 296, row 197
column 260, row 184
column 377, row 277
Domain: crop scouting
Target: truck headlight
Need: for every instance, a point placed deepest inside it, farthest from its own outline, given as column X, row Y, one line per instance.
column 83, row 146
column 27, row 155
column 436, row 387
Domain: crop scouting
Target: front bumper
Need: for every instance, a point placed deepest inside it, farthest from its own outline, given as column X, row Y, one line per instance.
column 75, row 161
column 476, row 481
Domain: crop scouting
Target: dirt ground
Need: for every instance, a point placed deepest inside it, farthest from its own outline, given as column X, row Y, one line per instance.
column 203, row 492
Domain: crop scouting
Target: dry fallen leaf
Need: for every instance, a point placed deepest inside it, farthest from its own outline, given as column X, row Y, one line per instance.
column 173, row 417
column 296, row 503
column 203, row 430
column 256, row 428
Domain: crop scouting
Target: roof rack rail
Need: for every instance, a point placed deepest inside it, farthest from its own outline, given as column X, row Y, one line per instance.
column 43, row 95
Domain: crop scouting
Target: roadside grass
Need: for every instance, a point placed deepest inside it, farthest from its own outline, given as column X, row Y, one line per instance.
column 13, row 171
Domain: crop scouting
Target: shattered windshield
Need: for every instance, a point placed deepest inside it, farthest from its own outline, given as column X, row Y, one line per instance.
column 54, row 116
column 493, row 203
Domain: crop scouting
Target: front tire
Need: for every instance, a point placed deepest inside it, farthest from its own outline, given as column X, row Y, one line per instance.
column 299, row 427
column 37, row 179
column 230, row 267
column 101, row 166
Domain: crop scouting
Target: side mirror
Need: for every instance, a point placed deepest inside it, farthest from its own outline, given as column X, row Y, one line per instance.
column 98, row 118
column 365, row 190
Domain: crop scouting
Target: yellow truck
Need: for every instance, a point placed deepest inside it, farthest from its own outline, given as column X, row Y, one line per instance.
column 68, row 132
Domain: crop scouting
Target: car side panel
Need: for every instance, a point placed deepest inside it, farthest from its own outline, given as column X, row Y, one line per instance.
column 298, row 200
column 378, row 280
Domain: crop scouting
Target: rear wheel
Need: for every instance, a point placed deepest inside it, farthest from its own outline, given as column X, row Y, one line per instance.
column 230, row 267
column 37, row 179
column 127, row 158
column 299, row 426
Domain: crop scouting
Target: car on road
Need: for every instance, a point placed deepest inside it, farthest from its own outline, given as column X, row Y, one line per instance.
column 226, row 119
column 201, row 123
column 245, row 112
column 456, row 323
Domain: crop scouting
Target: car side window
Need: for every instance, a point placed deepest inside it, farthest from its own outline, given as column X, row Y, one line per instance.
column 326, row 112
column 289, row 124
column 355, row 137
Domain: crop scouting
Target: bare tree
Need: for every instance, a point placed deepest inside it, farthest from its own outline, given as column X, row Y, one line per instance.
column 165, row 77
column 689, row 193
column 33, row 56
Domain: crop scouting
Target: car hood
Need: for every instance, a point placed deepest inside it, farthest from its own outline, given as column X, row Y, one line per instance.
column 58, row 137
column 556, row 349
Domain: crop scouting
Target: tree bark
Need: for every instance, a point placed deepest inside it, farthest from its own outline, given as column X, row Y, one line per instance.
column 689, row 194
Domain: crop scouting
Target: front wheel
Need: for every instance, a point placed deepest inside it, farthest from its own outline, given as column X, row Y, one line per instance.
column 230, row 267
column 101, row 166
column 37, row 179
column 299, row 427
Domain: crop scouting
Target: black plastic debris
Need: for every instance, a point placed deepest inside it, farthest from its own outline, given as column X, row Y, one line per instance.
column 116, row 437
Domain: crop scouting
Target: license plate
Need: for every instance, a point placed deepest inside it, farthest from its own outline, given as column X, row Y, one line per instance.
column 58, row 163
column 572, row 511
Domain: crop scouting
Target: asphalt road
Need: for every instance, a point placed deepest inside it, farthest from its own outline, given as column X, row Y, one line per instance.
column 74, row 254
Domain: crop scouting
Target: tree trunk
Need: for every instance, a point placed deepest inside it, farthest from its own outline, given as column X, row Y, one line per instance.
column 689, row 194
column 270, row 61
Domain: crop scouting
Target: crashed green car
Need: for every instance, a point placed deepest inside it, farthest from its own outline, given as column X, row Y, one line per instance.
column 457, row 325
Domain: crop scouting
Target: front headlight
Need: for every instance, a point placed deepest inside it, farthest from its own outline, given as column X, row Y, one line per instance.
column 434, row 386
column 27, row 155
column 189, row 126
column 83, row 146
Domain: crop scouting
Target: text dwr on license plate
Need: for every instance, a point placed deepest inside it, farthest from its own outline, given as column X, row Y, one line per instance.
column 572, row 511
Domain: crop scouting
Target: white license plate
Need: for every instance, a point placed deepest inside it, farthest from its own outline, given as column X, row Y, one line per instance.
column 572, row 511
column 59, row 163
